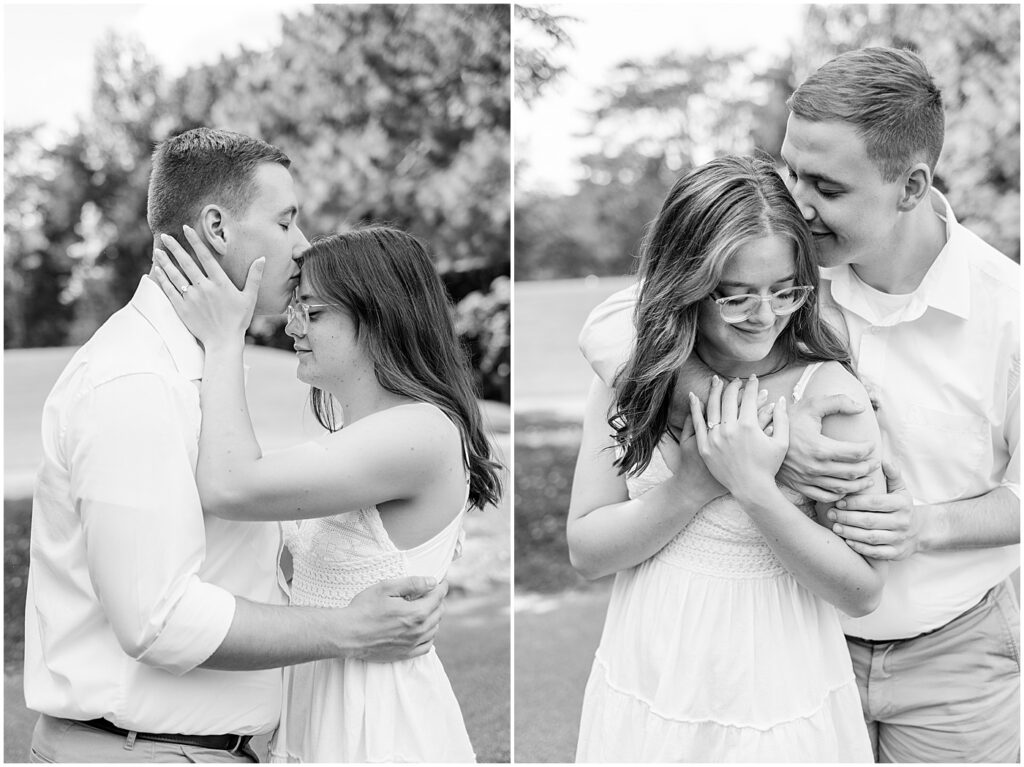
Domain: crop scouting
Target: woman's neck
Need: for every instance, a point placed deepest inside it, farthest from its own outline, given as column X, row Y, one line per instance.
column 732, row 368
column 363, row 396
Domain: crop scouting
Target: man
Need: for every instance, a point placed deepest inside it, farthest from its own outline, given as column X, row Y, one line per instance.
column 932, row 316
column 154, row 633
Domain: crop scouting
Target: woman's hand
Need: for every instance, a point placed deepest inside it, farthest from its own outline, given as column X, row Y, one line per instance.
column 212, row 308
column 683, row 457
column 733, row 443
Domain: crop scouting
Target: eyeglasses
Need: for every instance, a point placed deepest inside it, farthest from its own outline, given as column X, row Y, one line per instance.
column 783, row 302
column 298, row 311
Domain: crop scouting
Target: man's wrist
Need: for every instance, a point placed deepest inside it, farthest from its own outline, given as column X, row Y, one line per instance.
column 344, row 637
column 930, row 521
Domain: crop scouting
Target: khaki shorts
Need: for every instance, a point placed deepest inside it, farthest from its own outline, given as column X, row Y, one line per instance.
column 951, row 695
column 64, row 740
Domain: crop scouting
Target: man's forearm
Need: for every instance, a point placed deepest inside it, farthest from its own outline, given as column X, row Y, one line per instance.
column 986, row 521
column 269, row 636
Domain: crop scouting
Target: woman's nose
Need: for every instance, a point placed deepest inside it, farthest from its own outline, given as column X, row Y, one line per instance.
column 293, row 327
column 764, row 314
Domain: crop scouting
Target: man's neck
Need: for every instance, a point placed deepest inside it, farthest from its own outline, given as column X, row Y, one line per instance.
column 901, row 270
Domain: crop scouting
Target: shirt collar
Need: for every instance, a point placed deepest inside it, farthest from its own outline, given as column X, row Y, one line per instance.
column 945, row 284
column 149, row 301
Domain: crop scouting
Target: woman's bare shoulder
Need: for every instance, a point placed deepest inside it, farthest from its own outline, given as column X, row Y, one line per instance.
column 833, row 378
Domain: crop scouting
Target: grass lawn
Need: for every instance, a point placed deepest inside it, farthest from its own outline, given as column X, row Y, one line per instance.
column 547, row 368
column 17, row 520
column 546, row 446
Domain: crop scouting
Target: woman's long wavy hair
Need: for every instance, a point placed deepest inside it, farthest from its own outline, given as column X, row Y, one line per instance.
column 708, row 215
column 385, row 280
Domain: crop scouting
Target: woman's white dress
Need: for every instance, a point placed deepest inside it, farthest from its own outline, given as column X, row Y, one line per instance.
column 346, row 710
column 712, row 652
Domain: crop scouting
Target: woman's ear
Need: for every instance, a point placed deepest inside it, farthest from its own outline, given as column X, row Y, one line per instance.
column 211, row 229
column 916, row 186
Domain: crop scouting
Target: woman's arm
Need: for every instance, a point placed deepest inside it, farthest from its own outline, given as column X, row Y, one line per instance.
column 607, row 531
column 389, row 455
column 745, row 460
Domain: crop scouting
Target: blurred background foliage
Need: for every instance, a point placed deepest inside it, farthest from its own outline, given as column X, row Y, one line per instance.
column 658, row 118
column 390, row 113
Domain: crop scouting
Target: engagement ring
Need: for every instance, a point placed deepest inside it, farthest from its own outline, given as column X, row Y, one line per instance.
column 184, row 289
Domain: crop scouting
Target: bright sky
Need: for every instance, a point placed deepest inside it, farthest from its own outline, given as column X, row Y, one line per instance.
column 48, row 48
column 546, row 143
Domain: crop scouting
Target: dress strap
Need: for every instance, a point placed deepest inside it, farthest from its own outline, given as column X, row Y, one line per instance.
column 798, row 390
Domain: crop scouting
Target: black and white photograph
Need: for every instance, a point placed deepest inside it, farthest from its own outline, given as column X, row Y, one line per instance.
column 257, row 383
column 538, row 383
column 766, row 377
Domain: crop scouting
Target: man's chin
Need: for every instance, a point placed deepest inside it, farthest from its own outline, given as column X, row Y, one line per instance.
column 268, row 307
column 827, row 254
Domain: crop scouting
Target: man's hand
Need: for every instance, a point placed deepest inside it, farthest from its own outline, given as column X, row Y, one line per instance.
column 818, row 467
column 397, row 619
column 880, row 526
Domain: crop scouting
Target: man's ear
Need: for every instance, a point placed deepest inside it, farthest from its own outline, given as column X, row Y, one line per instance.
column 211, row 229
column 917, row 183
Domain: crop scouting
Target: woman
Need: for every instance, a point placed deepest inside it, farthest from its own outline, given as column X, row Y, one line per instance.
column 382, row 497
column 722, row 640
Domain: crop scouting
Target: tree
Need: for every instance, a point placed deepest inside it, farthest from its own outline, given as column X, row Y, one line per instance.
column 539, row 36
column 656, row 119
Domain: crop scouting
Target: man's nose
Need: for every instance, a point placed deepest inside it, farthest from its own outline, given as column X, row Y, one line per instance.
column 799, row 192
column 301, row 244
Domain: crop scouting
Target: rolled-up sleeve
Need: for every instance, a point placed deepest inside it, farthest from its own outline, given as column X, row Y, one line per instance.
column 607, row 336
column 1011, row 429
column 134, row 489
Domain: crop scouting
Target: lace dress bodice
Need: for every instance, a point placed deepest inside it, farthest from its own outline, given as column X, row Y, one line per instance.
column 345, row 710
column 721, row 540
column 335, row 558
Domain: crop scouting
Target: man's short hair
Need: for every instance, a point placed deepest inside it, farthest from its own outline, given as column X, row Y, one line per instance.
column 204, row 166
column 888, row 96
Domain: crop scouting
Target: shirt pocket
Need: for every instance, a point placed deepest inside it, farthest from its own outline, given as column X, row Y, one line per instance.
column 941, row 453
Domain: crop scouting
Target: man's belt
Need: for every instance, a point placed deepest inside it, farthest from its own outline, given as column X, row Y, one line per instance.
column 231, row 743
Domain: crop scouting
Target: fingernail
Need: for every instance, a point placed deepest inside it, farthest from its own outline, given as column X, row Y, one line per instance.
column 714, row 379
column 832, row 516
column 692, row 396
column 164, row 236
column 837, row 529
column 762, row 395
column 840, row 504
column 187, row 228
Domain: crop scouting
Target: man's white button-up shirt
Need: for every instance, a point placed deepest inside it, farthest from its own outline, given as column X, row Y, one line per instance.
column 946, row 371
column 130, row 586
